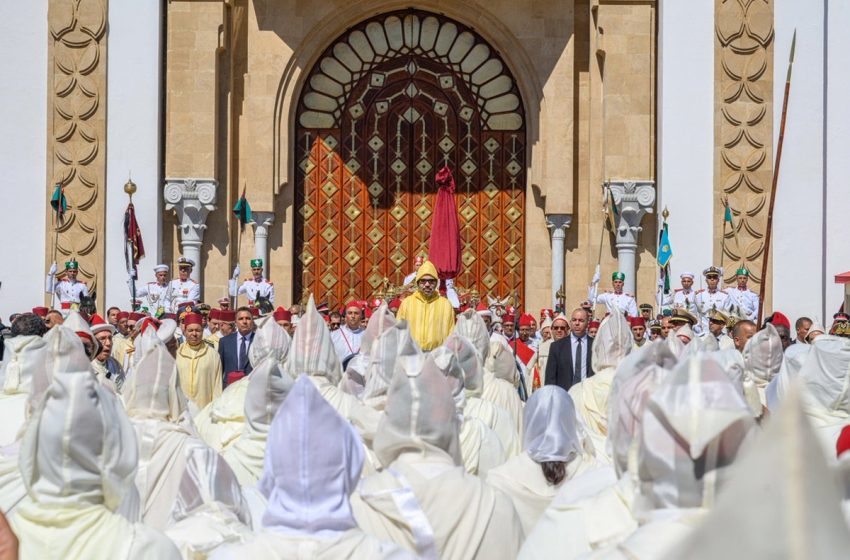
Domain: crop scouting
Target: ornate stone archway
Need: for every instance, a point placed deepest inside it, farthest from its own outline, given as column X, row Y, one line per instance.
column 389, row 103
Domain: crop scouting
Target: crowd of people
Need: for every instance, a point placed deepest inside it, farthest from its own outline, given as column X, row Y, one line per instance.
column 421, row 427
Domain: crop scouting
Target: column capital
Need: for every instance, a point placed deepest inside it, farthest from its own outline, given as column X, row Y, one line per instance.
column 192, row 200
column 633, row 199
column 558, row 221
column 262, row 222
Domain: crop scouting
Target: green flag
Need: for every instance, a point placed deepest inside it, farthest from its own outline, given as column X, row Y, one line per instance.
column 59, row 202
column 727, row 216
column 242, row 211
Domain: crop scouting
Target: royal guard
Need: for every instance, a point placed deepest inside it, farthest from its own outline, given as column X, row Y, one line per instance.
column 617, row 299
column 743, row 300
column 183, row 288
column 255, row 287
column 157, row 294
column 69, row 290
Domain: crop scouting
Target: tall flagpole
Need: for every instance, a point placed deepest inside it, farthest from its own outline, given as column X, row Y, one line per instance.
column 769, row 232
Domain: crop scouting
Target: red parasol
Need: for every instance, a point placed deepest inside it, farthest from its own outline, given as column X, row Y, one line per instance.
column 444, row 250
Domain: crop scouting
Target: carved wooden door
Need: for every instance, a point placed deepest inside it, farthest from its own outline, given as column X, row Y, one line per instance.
column 385, row 108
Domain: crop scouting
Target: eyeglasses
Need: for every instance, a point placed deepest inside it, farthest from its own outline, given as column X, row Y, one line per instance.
column 559, row 328
column 428, row 281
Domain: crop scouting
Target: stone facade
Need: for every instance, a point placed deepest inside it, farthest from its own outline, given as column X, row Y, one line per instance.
column 77, row 135
column 743, row 133
column 585, row 70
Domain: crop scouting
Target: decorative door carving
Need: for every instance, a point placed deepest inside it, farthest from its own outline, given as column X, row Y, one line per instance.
column 387, row 106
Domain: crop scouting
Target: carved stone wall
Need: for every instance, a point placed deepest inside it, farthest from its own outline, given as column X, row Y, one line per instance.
column 76, row 136
column 743, row 137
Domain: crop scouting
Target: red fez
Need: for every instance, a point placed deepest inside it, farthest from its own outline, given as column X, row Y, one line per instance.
column 98, row 324
column 593, row 325
column 367, row 312
column 508, row 318
column 255, row 312
column 40, row 311
column 122, row 315
column 169, row 316
column 376, row 303
column 637, row 321
column 193, row 319
column 779, row 318
column 215, row 314
column 227, row 315
column 149, row 322
column 544, row 313
column 281, row 314
column 526, row 320
column 354, row 303
column 510, row 310
column 843, row 443
column 395, row 303
column 134, row 316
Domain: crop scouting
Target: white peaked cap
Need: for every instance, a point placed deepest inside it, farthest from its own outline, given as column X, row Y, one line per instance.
column 380, row 322
column 471, row 326
column 420, row 416
column 208, row 479
column 695, row 415
column 469, row 361
column 312, row 351
column 385, row 350
column 782, row 501
column 501, row 362
column 79, row 448
column 312, row 465
column 550, row 430
column 161, row 268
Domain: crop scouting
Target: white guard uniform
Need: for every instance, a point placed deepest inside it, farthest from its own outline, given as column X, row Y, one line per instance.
column 182, row 292
column 253, row 289
column 746, row 301
column 707, row 300
column 685, row 299
column 157, row 295
column 69, row 293
column 622, row 301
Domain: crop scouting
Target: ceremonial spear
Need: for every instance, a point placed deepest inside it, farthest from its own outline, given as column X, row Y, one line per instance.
column 768, row 233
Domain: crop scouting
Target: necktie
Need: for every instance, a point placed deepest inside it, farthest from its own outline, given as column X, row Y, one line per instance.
column 577, row 365
column 243, row 354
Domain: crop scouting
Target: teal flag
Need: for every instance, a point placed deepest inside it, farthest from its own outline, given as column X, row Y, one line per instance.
column 665, row 253
column 727, row 216
column 59, row 202
column 242, row 210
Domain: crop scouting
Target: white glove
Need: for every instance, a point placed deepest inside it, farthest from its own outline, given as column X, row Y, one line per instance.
column 596, row 277
column 236, row 272
column 660, row 284
column 52, row 271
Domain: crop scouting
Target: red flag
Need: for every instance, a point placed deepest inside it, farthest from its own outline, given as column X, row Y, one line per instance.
column 134, row 249
column 444, row 249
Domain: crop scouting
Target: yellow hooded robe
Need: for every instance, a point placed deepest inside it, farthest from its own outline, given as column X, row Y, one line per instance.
column 431, row 319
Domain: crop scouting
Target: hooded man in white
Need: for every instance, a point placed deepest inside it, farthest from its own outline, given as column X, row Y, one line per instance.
column 424, row 500
column 551, row 441
column 594, row 509
column 613, row 341
column 826, row 401
column 501, row 381
column 222, row 421
column 364, row 376
column 267, row 389
column 307, row 483
column 313, row 354
column 23, row 355
column 694, row 426
column 762, row 359
column 78, row 460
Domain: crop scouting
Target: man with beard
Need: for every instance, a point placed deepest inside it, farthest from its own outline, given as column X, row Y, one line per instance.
column 104, row 364
column 430, row 315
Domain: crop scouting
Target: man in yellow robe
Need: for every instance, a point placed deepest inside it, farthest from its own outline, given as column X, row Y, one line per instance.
column 198, row 364
column 430, row 315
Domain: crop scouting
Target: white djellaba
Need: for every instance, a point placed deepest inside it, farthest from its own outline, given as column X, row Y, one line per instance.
column 357, row 379
column 613, row 341
column 480, row 447
column 781, row 503
column 78, row 461
column 762, row 359
column 595, row 509
column 308, row 483
column 826, row 399
column 312, row 353
column 695, row 426
column 501, row 381
column 790, row 370
column 267, row 389
column 222, row 421
column 415, row 500
column 23, row 354
column 551, row 437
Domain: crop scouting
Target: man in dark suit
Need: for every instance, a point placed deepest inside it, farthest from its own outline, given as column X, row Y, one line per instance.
column 569, row 358
column 234, row 347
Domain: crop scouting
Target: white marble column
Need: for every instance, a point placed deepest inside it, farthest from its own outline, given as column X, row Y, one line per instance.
column 633, row 199
column 192, row 200
column 262, row 222
column 558, row 224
